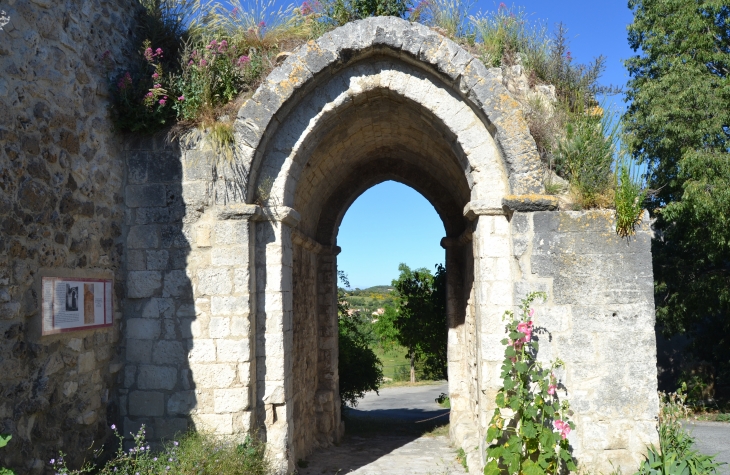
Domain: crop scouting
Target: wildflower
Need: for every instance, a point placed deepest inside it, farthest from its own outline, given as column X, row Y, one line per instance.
column 234, row 12
column 203, row 62
column 114, row 427
column 53, row 461
column 154, row 459
column 170, row 459
column 191, row 62
column 158, row 52
column 262, row 24
column 176, row 443
column 568, row 56
column 562, row 427
column 148, row 54
column 222, row 46
column 502, row 5
column 243, row 60
column 155, row 76
column 162, row 102
column 306, row 8
column 181, row 98
column 149, row 94
column 157, row 86
column 551, row 389
column 526, row 329
column 532, row 312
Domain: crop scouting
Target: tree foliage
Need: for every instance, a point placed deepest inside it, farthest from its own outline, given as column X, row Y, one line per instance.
column 678, row 124
column 418, row 322
column 343, row 11
column 359, row 367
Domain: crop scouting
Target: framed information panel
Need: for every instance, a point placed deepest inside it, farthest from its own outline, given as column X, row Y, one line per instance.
column 71, row 304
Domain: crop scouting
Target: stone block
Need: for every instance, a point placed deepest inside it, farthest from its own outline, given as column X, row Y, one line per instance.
column 181, row 402
column 218, row 423
column 231, row 400
column 219, row 327
column 157, row 260
column 210, row 376
column 177, row 284
column 130, row 375
column 146, row 403
column 168, row 352
column 214, row 281
column 143, row 284
column 240, row 325
column 145, row 196
column 201, row 351
column 156, row 377
column 229, row 305
column 136, row 260
column 232, row 232
column 86, row 362
column 170, row 428
column 158, row 308
column 229, row 256
column 236, row 351
column 143, row 329
column 138, row 351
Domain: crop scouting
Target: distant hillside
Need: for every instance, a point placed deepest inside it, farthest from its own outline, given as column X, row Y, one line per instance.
column 371, row 299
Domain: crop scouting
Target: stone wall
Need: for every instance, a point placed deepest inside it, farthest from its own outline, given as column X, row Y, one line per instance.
column 61, row 213
column 600, row 321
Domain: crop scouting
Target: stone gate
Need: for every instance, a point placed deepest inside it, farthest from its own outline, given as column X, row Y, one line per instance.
column 226, row 270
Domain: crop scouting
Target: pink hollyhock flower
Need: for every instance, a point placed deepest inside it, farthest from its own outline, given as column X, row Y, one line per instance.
column 551, row 389
column 532, row 312
column 526, row 329
column 562, row 427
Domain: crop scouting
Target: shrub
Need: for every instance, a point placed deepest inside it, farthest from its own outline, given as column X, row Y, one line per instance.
column 342, row 11
column 194, row 454
column 675, row 455
column 585, row 156
column 527, row 433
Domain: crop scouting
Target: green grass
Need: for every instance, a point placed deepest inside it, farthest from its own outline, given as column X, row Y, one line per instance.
column 395, row 365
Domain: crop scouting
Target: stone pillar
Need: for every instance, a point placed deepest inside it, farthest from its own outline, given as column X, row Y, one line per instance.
column 327, row 404
column 493, row 283
column 274, row 331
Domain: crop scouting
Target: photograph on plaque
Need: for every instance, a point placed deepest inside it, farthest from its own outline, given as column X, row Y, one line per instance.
column 76, row 304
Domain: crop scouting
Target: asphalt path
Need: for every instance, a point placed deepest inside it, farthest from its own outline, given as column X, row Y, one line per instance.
column 407, row 403
column 712, row 438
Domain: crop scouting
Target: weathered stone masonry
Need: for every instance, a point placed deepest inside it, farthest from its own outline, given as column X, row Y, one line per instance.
column 226, row 272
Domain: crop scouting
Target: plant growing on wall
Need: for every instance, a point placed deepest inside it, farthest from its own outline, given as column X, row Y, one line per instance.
column 528, row 431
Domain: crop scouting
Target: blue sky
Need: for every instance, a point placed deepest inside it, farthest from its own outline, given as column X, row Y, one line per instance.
column 391, row 223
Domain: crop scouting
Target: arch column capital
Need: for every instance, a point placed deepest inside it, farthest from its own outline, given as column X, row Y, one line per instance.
column 476, row 208
column 282, row 214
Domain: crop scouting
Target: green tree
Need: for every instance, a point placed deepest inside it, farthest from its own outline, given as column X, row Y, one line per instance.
column 343, row 11
column 418, row 322
column 359, row 368
column 678, row 124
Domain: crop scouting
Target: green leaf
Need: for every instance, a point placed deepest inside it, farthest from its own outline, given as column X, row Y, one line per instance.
column 510, row 352
column 529, row 430
column 531, row 468
column 521, row 367
column 4, row 439
column 493, row 433
column 492, row 468
column 500, row 399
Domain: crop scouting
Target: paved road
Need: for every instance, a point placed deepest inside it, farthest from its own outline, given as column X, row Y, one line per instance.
column 410, row 403
column 384, row 437
column 712, row 438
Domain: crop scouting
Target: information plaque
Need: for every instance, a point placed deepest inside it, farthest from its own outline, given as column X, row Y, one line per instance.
column 71, row 304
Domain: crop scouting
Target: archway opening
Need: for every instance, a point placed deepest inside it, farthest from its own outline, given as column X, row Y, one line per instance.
column 392, row 303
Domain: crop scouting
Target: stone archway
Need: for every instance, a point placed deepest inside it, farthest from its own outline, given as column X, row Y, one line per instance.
column 385, row 99
column 380, row 99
